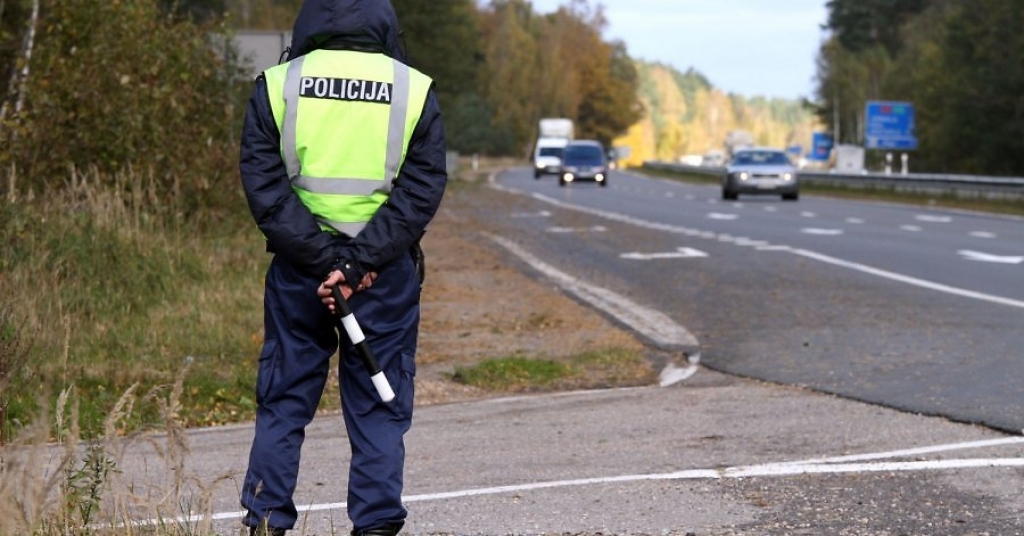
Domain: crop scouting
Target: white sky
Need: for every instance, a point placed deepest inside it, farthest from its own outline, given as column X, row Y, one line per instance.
column 749, row 47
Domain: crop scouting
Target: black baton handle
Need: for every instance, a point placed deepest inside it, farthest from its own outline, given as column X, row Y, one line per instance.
column 355, row 334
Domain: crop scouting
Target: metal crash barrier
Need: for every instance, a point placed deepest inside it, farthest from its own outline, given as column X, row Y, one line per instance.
column 966, row 186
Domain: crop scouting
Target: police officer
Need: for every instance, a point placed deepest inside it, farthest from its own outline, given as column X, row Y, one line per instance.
column 343, row 166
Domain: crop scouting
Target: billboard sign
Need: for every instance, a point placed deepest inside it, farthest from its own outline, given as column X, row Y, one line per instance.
column 890, row 125
column 821, row 147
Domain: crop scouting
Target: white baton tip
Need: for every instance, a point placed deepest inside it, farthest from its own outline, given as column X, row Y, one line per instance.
column 383, row 387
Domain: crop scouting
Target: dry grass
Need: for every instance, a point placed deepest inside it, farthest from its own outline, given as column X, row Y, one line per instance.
column 69, row 486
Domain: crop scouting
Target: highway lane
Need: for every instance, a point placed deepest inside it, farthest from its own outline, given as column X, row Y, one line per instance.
column 912, row 308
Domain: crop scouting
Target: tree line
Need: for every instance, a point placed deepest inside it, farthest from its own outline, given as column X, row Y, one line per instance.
column 960, row 62
column 142, row 85
column 684, row 114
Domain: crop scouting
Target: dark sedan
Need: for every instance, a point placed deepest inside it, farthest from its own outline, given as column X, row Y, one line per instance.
column 584, row 160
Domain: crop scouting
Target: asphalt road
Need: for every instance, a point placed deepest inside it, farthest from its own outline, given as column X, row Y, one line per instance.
column 916, row 309
column 754, row 442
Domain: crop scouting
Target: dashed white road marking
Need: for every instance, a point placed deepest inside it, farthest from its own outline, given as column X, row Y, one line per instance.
column 806, row 214
column 593, row 229
column 823, row 232
column 982, row 234
column 988, row 257
column 933, row 219
column 540, row 214
column 680, row 253
column 910, row 228
column 893, row 276
column 854, row 221
column 721, row 216
column 770, row 208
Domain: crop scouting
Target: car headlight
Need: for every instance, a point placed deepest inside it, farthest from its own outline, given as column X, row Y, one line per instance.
column 599, row 177
column 787, row 176
column 567, row 177
column 743, row 176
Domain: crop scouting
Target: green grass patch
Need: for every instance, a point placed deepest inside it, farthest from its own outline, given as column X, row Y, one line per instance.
column 114, row 291
column 606, row 367
column 513, row 373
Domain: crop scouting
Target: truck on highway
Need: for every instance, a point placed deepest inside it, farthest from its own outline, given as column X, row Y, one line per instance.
column 736, row 140
column 553, row 134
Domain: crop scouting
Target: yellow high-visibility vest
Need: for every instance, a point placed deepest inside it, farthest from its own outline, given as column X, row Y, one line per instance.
column 346, row 119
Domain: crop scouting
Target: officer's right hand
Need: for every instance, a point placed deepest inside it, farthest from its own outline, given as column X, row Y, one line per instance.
column 324, row 292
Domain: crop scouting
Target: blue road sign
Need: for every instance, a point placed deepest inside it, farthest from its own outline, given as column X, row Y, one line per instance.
column 821, row 147
column 890, row 125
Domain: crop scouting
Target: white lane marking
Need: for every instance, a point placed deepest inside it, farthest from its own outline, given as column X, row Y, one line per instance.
column 770, row 208
column 823, row 232
column 593, row 229
column 982, row 234
column 909, row 280
column 987, row 257
column 833, row 465
column 653, row 324
column 808, row 214
column 918, row 451
column 810, row 254
column 541, row 214
column 933, row 219
column 854, row 221
column 670, row 194
column 910, row 228
column 720, row 216
column 680, row 253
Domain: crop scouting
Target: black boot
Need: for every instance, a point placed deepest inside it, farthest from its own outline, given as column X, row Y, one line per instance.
column 390, row 529
column 264, row 530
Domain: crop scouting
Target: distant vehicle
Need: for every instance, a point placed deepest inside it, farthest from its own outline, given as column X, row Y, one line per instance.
column 713, row 159
column 736, row 140
column 584, row 160
column 553, row 135
column 760, row 171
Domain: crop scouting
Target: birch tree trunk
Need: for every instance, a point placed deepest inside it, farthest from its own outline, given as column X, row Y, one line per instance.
column 19, row 78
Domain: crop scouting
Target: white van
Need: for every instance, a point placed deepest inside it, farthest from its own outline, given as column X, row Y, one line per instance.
column 547, row 156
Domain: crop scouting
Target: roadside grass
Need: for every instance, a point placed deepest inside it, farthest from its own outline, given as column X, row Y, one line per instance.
column 587, row 370
column 113, row 287
column 890, row 195
column 54, row 481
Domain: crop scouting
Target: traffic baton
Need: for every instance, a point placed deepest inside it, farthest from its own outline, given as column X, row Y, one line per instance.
column 355, row 334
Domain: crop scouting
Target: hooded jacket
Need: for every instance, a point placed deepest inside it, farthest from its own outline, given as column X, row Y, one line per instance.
column 290, row 229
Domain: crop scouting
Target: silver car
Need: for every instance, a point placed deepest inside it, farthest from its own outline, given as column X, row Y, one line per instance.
column 760, row 171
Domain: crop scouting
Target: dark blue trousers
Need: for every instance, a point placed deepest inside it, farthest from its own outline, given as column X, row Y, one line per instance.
column 300, row 337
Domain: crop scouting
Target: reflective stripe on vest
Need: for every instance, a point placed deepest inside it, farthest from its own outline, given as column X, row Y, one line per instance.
column 346, row 202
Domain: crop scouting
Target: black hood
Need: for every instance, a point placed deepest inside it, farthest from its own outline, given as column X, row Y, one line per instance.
column 358, row 24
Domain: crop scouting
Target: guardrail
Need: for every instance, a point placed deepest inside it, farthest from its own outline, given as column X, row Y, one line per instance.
column 1004, row 188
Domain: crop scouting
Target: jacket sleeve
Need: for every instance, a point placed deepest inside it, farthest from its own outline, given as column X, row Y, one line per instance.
column 289, row 227
column 415, row 197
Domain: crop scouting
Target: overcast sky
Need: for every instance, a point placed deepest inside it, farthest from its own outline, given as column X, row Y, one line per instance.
column 749, row 47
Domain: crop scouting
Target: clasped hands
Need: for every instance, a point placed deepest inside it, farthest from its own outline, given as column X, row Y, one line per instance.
column 338, row 278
